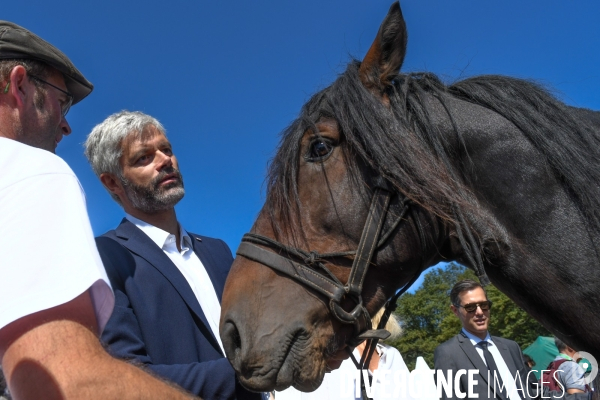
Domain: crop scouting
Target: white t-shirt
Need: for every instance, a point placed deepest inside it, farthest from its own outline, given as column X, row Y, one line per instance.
column 48, row 255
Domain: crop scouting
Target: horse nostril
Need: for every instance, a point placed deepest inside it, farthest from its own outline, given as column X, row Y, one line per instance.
column 237, row 340
column 232, row 341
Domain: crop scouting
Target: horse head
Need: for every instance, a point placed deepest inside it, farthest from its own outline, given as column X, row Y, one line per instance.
column 325, row 184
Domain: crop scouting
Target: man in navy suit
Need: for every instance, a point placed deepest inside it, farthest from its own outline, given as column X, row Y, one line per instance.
column 167, row 282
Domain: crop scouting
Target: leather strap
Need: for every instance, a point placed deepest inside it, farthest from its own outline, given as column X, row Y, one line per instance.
column 368, row 240
column 295, row 270
column 364, row 253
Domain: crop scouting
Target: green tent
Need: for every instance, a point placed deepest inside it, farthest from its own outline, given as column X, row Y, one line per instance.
column 543, row 351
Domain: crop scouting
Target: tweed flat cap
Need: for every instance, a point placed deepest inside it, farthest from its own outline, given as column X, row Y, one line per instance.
column 18, row 43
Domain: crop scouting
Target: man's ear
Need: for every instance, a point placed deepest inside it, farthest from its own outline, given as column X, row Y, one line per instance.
column 19, row 86
column 454, row 309
column 112, row 184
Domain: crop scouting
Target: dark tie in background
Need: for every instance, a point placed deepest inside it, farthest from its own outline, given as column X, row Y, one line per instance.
column 491, row 364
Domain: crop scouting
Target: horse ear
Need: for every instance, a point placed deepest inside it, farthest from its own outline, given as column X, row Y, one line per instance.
column 384, row 59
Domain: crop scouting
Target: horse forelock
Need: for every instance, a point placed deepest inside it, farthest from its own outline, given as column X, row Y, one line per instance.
column 382, row 138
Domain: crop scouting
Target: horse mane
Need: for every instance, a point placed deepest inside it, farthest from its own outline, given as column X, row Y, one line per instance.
column 403, row 144
column 568, row 142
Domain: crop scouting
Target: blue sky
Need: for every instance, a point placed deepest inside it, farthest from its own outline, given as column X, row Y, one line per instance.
column 225, row 78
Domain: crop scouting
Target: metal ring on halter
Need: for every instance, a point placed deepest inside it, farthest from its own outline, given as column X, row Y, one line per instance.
column 345, row 316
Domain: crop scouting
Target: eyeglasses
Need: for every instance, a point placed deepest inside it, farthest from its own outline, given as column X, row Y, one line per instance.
column 67, row 104
column 484, row 305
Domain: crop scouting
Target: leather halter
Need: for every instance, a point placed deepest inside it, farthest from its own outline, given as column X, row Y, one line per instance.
column 313, row 273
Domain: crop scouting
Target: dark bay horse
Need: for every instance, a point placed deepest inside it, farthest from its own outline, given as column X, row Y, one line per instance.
column 395, row 172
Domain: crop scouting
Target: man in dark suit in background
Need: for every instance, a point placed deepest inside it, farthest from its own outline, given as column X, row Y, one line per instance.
column 167, row 282
column 502, row 372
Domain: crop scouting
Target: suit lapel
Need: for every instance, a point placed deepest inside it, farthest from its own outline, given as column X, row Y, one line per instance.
column 209, row 265
column 473, row 355
column 505, row 353
column 510, row 362
column 139, row 243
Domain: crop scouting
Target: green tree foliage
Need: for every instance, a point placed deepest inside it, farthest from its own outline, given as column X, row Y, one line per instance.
column 427, row 320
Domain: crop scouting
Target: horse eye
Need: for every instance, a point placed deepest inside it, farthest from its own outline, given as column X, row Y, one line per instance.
column 319, row 149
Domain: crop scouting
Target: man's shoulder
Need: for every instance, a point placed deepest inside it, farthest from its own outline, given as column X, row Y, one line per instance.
column 109, row 243
column 506, row 342
column 571, row 375
column 204, row 238
column 209, row 241
column 123, row 231
column 448, row 344
column 568, row 365
column 213, row 247
column 112, row 234
column 107, row 239
column 445, row 354
column 27, row 162
column 31, row 160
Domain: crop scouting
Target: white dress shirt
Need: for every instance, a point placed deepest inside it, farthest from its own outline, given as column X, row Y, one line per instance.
column 190, row 267
column 507, row 379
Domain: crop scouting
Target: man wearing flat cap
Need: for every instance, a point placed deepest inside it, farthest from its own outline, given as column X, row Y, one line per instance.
column 56, row 297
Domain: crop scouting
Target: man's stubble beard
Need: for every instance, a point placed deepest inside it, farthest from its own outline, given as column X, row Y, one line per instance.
column 39, row 131
column 152, row 198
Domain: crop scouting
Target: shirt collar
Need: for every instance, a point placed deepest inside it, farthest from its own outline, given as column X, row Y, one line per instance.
column 475, row 339
column 159, row 236
column 566, row 357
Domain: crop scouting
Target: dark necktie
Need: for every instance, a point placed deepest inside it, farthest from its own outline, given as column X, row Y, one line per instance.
column 493, row 368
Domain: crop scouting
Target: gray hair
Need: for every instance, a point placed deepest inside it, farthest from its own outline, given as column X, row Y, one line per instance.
column 103, row 146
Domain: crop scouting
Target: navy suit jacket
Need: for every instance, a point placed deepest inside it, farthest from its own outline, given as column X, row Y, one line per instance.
column 157, row 320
